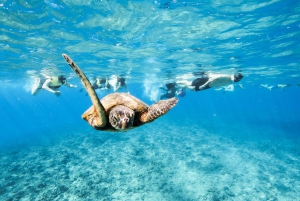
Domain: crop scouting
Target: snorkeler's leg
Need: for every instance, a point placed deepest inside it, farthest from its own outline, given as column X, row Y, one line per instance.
column 106, row 84
column 36, row 86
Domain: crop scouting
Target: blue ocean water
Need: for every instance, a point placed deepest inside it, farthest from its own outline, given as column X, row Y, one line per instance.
column 216, row 144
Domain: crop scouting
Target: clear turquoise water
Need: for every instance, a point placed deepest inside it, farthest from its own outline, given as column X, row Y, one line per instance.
column 214, row 145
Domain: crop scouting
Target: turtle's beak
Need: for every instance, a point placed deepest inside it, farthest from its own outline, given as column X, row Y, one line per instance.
column 124, row 124
column 126, row 121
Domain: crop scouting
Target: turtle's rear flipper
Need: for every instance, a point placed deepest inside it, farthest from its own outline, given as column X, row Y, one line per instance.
column 158, row 109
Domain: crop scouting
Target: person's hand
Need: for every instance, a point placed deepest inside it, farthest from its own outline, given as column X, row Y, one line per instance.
column 57, row 93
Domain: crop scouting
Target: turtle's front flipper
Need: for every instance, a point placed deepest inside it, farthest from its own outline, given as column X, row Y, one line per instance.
column 98, row 110
column 158, row 109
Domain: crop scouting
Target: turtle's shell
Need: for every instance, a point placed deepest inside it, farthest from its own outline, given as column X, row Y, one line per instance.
column 127, row 100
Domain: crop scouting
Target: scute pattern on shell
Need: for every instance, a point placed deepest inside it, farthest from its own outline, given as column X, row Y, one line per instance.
column 124, row 99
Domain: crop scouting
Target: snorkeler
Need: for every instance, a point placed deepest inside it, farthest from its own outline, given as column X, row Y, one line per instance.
column 51, row 84
column 212, row 81
column 267, row 86
column 101, row 83
column 281, row 86
column 171, row 90
column 118, row 83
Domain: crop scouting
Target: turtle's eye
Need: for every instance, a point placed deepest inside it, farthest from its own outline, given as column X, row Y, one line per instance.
column 121, row 117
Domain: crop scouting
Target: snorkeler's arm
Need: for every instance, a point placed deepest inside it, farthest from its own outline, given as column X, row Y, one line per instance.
column 210, row 80
column 70, row 85
column 185, row 84
column 46, row 86
column 118, row 86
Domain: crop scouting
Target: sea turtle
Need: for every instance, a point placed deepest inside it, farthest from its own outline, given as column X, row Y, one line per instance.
column 119, row 111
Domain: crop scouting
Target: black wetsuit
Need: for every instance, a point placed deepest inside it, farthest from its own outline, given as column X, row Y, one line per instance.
column 102, row 81
column 122, row 81
column 170, row 85
column 170, row 92
column 199, row 82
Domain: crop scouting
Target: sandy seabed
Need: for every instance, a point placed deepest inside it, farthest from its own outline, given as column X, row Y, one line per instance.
column 168, row 163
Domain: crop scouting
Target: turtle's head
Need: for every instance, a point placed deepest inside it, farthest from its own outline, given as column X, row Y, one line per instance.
column 121, row 118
